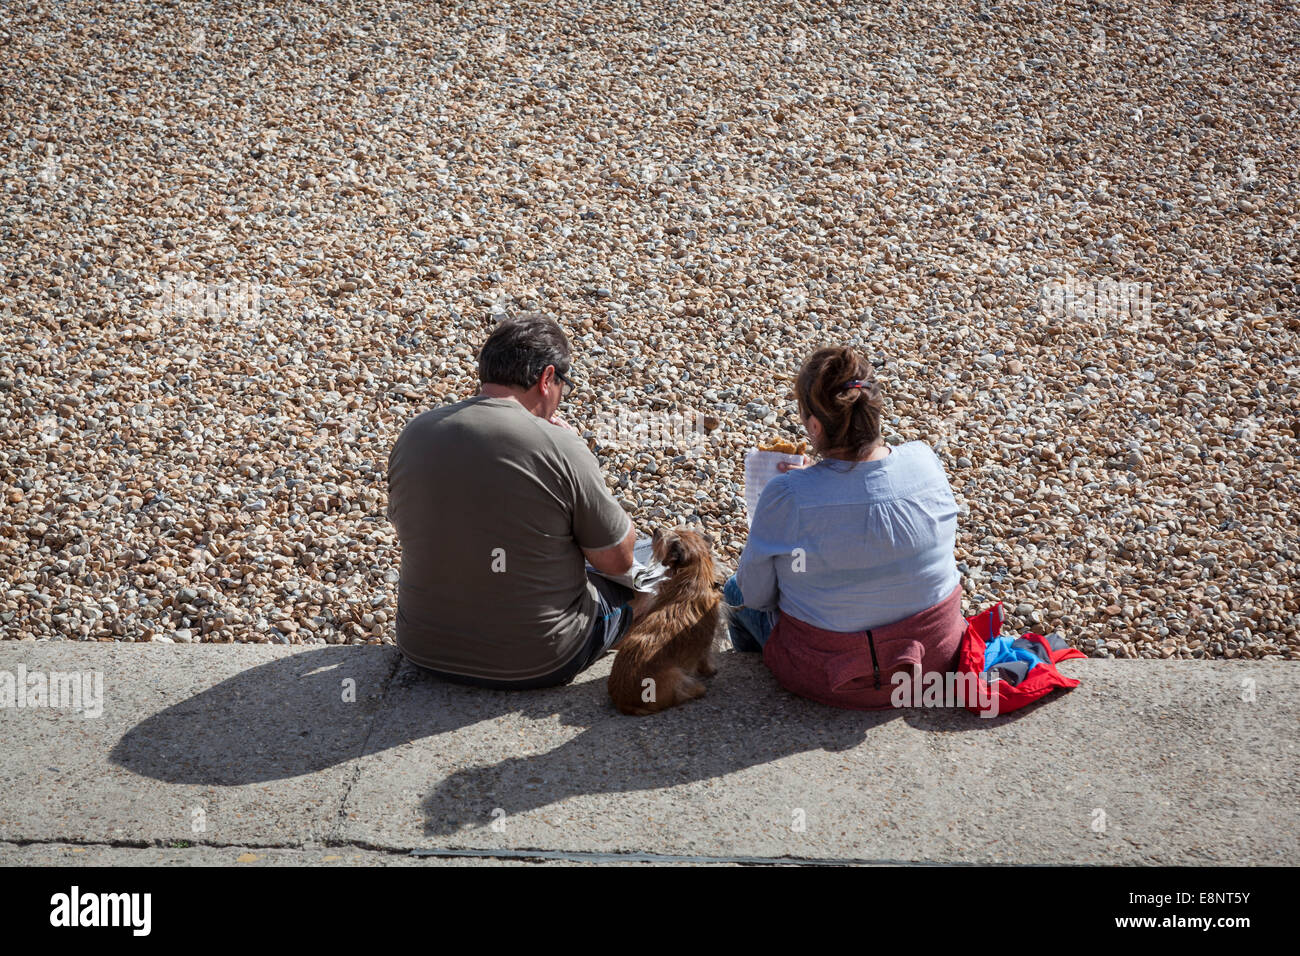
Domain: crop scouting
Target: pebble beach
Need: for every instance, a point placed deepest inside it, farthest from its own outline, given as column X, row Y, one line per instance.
column 245, row 243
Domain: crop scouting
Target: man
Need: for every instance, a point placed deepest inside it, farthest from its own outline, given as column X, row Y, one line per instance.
column 496, row 502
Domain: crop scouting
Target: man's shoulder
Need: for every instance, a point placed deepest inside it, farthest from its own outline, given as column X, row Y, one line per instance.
column 431, row 416
column 566, row 440
column 498, row 427
column 476, row 413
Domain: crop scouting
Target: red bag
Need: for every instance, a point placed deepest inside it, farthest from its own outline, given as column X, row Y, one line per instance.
column 1003, row 696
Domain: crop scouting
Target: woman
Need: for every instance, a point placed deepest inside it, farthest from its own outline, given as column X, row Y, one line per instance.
column 848, row 576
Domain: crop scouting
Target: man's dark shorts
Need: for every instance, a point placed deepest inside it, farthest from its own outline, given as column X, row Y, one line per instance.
column 613, row 618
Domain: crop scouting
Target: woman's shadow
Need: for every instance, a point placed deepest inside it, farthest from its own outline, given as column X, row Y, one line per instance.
column 320, row 708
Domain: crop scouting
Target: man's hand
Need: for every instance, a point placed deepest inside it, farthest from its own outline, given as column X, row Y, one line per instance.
column 557, row 420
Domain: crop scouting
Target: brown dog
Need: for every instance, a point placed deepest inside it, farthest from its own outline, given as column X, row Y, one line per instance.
column 660, row 661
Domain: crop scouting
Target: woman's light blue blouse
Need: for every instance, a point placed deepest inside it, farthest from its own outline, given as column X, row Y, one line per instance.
column 846, row 549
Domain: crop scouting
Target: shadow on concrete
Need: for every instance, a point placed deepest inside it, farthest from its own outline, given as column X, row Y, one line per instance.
column 281, row 719
column 746, row 720
column 289, row 717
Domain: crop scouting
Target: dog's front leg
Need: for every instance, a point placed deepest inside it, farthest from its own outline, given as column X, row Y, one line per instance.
column 705, row 667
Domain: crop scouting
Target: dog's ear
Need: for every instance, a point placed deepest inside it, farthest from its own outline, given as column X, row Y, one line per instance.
column 675, row 555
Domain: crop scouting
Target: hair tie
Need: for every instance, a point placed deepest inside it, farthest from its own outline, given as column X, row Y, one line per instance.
column 856, row 383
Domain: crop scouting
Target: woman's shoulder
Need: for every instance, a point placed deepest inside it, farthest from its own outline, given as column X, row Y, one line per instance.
column 923, row 464
column 780, row 490
column 920, row 452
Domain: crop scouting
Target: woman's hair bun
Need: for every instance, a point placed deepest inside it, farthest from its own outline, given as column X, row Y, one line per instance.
column 838, row 386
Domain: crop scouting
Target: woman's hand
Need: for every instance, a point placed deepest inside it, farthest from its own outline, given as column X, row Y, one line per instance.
column 784, row 466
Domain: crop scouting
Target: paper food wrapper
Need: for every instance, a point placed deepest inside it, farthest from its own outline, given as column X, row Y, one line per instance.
column 645, row 574
column 760, row 468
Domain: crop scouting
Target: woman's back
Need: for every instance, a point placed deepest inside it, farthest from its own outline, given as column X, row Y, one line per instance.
column 849, row 546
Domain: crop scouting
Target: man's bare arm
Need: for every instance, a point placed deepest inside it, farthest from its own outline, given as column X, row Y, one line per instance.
column 617, row 558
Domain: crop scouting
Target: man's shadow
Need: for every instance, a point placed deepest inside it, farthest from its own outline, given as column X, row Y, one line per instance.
column 295, row 716
column 745, row 720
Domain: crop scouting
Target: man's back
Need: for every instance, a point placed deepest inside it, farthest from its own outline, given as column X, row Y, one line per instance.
column 492, row 506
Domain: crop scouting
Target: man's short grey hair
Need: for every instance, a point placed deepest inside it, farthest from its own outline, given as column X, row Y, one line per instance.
column 519, row 349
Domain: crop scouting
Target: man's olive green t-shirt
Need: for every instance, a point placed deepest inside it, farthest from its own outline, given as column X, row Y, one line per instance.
column 492, row 506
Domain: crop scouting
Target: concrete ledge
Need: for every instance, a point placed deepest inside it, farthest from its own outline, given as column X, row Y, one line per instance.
column 99, row 854
column 337, row 750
